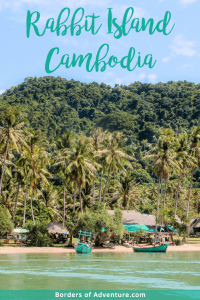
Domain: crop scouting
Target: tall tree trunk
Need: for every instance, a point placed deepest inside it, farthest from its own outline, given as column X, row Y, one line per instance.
column 64, row 206
column 177, row 193
column 80, row 199
column 157, row 212
column 164, row 195
column 93, row 192
column 70, row 240
column 74, row 200
column 4, row 165
column 24, row 217
column 100, row 185
column 14, row 213
column 32, row 207
column 188, row 203
column 161, row 194
column 104, row 194
column 189, row 196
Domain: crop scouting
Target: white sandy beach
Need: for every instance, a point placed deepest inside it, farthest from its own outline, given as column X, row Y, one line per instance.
column 118, row 249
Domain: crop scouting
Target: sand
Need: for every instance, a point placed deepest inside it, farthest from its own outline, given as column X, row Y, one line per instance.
column 117, row 249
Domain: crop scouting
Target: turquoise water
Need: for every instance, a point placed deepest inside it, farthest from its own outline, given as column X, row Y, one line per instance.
column 108, row 271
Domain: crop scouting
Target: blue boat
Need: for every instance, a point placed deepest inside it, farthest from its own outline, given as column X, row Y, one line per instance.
column 148, row 248
column 84, row 247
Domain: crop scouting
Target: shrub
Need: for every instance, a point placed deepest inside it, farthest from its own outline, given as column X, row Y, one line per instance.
column 38, row 235
column 6, row 225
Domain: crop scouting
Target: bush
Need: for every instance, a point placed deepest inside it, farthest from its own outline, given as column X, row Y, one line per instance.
column 38, row 235
column 100, row 223
column 6, row 225
column 178, row 242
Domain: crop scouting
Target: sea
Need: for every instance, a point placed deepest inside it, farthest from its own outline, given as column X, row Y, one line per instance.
column 101, row 271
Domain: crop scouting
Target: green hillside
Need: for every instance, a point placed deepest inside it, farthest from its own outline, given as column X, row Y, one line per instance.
column 55, row 105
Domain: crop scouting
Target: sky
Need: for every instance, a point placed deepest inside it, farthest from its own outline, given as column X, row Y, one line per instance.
column 177, row 54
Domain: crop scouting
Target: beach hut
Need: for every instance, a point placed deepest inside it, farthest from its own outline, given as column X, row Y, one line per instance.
column 196, row 227
column 54, row 227
column 132, row 217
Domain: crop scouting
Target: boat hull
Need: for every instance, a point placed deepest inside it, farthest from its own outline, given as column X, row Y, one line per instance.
column 160, row 248
column 83, row 248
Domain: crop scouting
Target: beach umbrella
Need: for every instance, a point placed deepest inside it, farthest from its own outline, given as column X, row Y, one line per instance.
column 54, row 227
column 20, row 230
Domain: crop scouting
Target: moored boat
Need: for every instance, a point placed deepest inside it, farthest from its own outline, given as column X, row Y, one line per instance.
column 84, row 247
column 151, row 248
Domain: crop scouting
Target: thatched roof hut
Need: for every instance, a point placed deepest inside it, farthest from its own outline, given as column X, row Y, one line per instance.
column 131, row 217
column 196, row 226
column 54, row 227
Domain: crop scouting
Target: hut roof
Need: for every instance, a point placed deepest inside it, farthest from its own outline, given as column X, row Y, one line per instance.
column 196, row 224
column 54, row 227
column 134, row 217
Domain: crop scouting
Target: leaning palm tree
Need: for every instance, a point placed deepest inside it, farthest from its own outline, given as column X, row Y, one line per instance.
column 11, row 135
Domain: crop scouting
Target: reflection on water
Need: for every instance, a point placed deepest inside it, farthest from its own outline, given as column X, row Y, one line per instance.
column 101, row 271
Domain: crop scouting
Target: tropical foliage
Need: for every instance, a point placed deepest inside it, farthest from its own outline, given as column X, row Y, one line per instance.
column 67, row 146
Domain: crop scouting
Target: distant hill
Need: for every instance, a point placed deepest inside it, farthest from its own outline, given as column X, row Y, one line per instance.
column 56, row 105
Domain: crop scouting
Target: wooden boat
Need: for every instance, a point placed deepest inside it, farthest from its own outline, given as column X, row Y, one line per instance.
column 148, row 248
column 84, row 247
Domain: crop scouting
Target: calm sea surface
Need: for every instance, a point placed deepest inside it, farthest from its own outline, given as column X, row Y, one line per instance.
column 141, row 271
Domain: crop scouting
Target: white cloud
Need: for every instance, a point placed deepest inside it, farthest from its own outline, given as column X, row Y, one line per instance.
column 166, row 59
column 152, row 78
column 186, row 66
column 185, row 2
column 119, row 10
column 126, row 79
column 183, row 47
column 50, row 5
column 2, row 91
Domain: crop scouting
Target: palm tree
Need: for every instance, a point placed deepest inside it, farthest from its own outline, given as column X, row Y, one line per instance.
column 81, row 166
column 11, row 135
column 125, row 191
column 184, row 159
column 33, row 138
column 194, row 151
column 115, row 157
column 163, row 156
column 36, row 162
column 64, row 144
column 49, row 198
column 98, row 137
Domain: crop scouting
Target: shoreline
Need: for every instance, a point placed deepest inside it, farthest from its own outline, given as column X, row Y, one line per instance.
column 118, row 249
